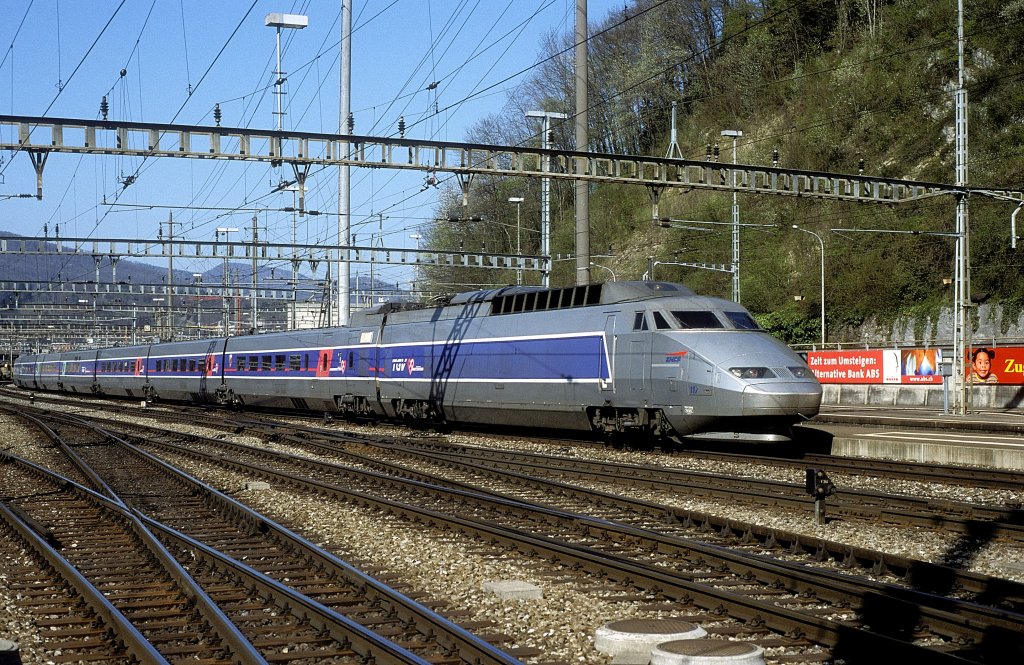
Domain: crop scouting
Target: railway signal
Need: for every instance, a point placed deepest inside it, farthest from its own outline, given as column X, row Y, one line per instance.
column 820, row 486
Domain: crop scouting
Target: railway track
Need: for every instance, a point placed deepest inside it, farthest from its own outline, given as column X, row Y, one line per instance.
column 218, row 418
column 757, row 591
column 958, row 517
column 726, row 532
column 976, row 524
column 290, row 602
column 703, row 525
column 106, row 554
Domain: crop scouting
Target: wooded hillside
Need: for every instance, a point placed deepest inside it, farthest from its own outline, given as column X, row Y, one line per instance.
column 826, row 84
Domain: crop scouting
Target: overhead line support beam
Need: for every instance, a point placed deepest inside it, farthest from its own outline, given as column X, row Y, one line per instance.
column 79, row 136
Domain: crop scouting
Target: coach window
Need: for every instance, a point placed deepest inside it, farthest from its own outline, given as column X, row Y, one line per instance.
column 639, row 321
column 191, row 365
column 201, row 366
column 279, row 363
column 240, row 364
column 295, row 362
column 265, row 365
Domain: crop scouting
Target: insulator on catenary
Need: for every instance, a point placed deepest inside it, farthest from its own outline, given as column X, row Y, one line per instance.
column 401, row 127
column 216, row 114
column 775, row 157
column 104, row 107
column 351, row 122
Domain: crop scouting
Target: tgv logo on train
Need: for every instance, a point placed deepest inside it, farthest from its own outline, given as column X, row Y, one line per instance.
column 407, row 365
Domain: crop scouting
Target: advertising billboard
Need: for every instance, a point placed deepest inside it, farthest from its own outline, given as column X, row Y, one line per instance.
column 1002, row 365
column 995, row 365
column 890, row 366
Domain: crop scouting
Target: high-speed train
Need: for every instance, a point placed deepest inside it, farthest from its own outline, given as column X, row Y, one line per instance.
column 649, row 358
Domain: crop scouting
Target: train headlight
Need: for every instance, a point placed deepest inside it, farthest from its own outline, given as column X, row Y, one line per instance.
column 752, row 372
column 801, row 372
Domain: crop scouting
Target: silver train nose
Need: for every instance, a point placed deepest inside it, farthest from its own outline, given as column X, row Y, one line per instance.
column 776, row 399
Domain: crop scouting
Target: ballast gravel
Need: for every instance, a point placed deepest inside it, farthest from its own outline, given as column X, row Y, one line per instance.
column 448, row 568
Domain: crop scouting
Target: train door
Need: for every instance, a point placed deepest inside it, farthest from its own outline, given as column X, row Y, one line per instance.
column 95, row 372
column 211, row 367
column 610, row 344
column 638, row 357
column 147, row 386
column 323, row 365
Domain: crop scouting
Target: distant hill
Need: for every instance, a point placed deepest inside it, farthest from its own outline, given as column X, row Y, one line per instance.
column 36, row 271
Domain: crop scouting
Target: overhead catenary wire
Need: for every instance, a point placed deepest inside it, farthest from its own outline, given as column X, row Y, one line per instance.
column 261, row 185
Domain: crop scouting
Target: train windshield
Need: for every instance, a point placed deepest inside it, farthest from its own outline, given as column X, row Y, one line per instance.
column 742, row 320
column 703, row 319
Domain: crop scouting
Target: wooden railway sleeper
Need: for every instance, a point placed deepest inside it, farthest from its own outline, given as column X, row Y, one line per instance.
column 128, row 636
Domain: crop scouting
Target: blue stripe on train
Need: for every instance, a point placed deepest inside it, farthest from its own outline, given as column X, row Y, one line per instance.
column 570, row 358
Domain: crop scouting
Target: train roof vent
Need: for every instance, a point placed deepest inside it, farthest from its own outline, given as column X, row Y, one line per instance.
column 517, row 300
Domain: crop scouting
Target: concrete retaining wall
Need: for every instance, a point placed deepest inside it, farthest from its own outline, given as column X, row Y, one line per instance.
column 982, row 397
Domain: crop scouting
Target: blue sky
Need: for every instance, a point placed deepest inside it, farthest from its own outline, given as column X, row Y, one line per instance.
column 61, row 57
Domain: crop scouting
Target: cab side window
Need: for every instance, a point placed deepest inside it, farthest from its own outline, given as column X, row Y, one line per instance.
column 640, row 321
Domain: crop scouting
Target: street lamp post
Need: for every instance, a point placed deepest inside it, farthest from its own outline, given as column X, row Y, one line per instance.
column 821, row 243
column 598, row 265
column 518, row 200
column 197, row 281
column 224, row 277
column 545, row 190
column 278, row 21
column 735, row 134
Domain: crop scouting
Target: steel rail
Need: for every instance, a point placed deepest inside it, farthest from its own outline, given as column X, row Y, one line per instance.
column 134, row 643
column 927, row 513
column 625, row 570
column 242, row 651
column 365, row 642
column 474, row 649
column 921, row 574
